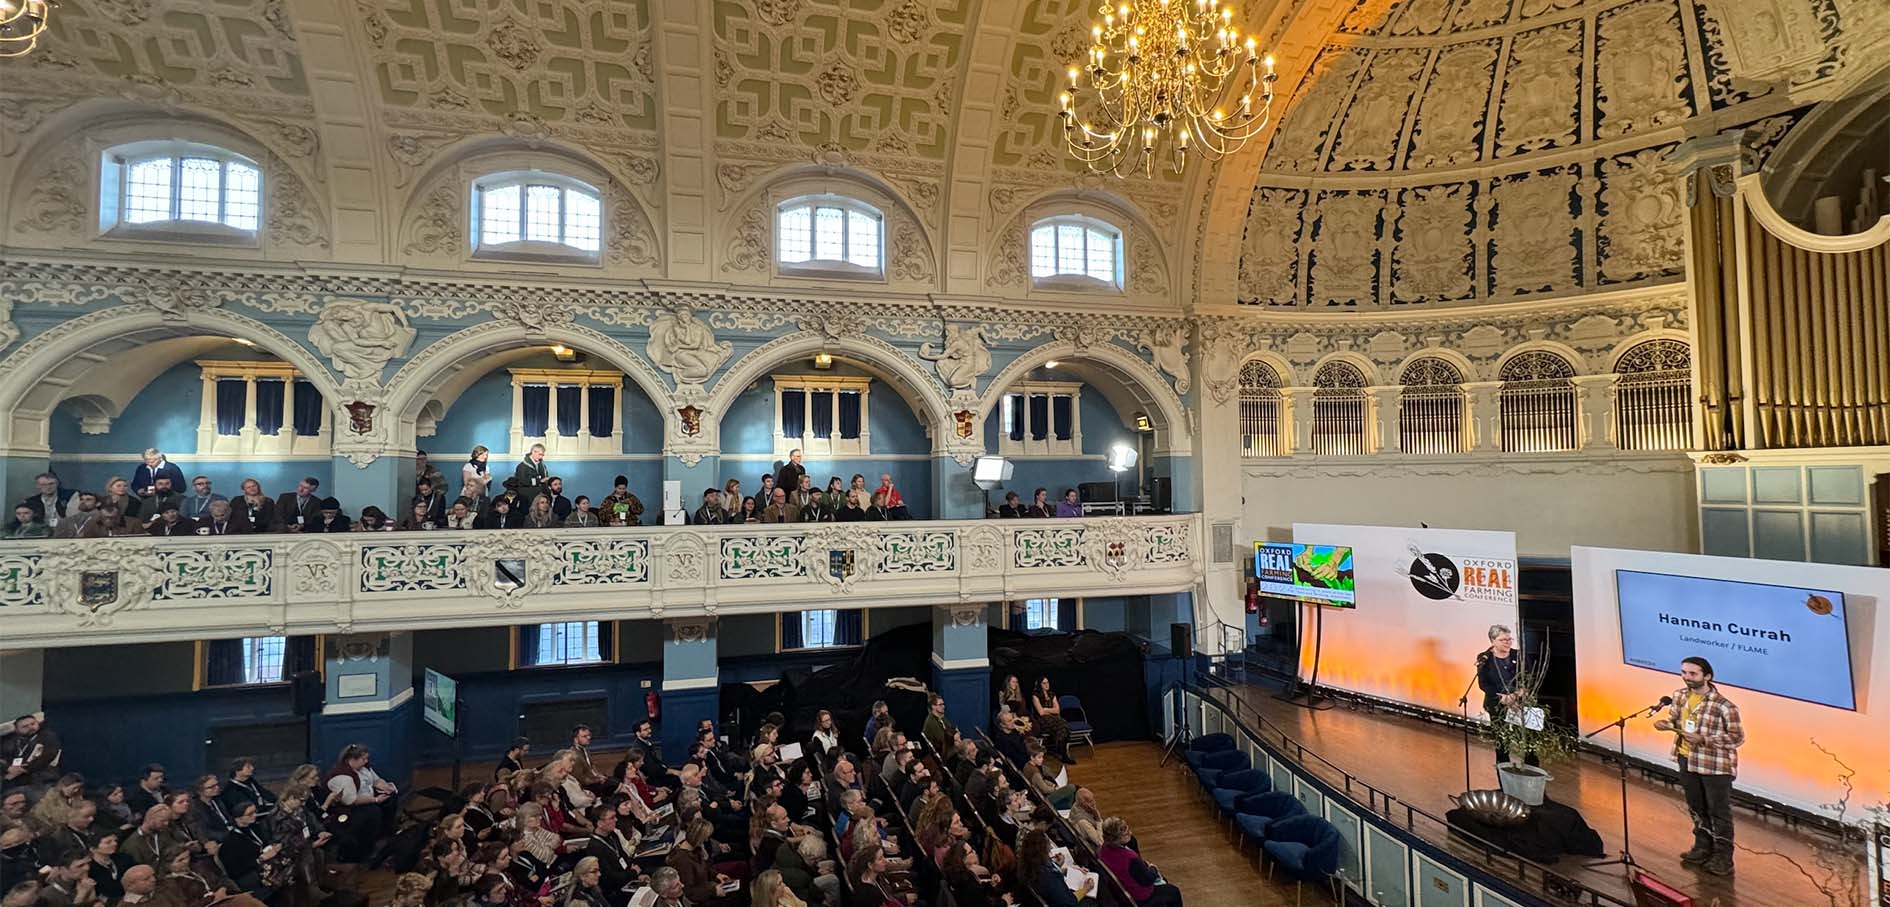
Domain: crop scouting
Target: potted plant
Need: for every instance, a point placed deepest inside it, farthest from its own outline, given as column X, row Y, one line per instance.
column 1528, row 729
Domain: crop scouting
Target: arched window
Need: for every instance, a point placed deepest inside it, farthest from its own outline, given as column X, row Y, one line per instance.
column 831, row 235
column 1653, row 409
column 1338, row 427
column 1537, row 402
column 1076, row 251
column 200, row 191
column 534, row 214
column 1430, row 409
column 1259, row 410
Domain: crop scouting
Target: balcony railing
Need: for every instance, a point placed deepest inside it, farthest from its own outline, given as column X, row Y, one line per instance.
column 63, row 593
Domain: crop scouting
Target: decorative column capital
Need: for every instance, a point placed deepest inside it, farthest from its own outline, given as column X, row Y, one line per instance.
column 689, row 629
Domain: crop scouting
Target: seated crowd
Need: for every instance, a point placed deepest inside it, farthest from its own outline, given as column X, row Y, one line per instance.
column 152, row 502
column 801, row 817
column 1040, row 506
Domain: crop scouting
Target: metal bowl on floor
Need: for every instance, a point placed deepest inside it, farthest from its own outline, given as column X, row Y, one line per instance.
column 1493, row 807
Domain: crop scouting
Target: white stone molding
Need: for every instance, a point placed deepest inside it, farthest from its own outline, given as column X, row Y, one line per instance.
column 904, row 374
column 1134, row 374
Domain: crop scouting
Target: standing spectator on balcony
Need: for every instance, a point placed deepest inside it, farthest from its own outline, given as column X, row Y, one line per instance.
column 164, row 496
column 144, row 478
column 84, row 511
column 780, row 510
column 711, row 512
column 1013, row 507
column 541, row 516
column 500, row 514
column 418, row 519
column 433, row 498
column 301, row 509
column 220, row 521
column 560, row 505
column 582, row 516
column 256, row 509
column 1069, row 506
column 425, row 471
column 620, row 507
column 789, row 476
column 461, row 515
column 52, row 502
column 330, row 518
column 31, row 755
column 1040, row 507
column 474, row 479
column 170, row 521
column 529, row 476
column 26, row 524
column 118, row 493
column 197, row 503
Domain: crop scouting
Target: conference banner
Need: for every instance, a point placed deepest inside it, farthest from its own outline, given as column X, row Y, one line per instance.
column 1423, row 603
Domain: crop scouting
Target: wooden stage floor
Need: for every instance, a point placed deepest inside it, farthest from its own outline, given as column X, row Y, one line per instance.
column 1422, row 764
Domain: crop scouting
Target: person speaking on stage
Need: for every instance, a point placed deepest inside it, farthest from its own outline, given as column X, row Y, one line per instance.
column 1499, row 669
column 1707, row 736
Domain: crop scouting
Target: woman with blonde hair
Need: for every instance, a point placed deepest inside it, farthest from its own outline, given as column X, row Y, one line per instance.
column 771, row 891
column 693, row 861
column 474, row 479
column 587, row 891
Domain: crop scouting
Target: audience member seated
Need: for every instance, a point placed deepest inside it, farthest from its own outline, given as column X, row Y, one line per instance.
column 540, row 515
column 118, row 494
column 27, row 525
column 890, row 499
column 971, row 884
column 330, row 518
column 1069, row 506
column 876, row 511
column 301, row 509
column 155, row 466
column 430, row 499
column 581, row 516
column 1143, row 882
column 419, row 519
column 255, row 508
column 1012, row 508
column 502, row 513
column 560, row 505
column 462, row 515
column 855, row 508
column 220, row 521
column 711, row 513
column 1039, row 873
column 170, row 520
column 620, row 507
column 1048, row 717
column 780, row 509
column 163, row 496
column 750, row 512
column 197, row 502
column 1040, row 507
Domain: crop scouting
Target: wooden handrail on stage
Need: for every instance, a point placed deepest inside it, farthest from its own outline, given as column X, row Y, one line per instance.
column 1088, row 858
column 1522, row 872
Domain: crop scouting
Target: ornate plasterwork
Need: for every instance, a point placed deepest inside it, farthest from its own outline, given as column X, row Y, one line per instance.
column 95, row 582
column 361, row 337
column 960, row 359
column 1433, row 258
column 1169, row 350
column 1540, row 91
column 1642, row 228
column 1641, row 69
column 683, row 346
column 1531, row 236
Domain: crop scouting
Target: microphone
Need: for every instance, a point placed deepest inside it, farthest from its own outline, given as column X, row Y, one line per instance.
column 1665, row 701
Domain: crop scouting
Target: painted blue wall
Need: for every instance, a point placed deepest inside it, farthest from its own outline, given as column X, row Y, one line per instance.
column 1102, row 429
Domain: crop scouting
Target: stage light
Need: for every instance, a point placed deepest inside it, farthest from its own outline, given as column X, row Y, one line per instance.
column 823, row 360
column 1121, row 458
column 564, row 353
column 990, row 472
column 1143, row 423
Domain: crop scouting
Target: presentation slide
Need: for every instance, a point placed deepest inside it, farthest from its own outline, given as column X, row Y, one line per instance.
column 1782, row 640
column 439, row 702
column 1787, row 740
column 1320, row 574
column 1424, row 600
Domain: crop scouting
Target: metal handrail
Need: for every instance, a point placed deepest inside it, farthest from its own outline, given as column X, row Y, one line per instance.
column 1389, row 806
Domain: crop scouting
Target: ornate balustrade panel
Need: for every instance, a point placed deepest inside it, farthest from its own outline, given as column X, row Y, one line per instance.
column 61, row 593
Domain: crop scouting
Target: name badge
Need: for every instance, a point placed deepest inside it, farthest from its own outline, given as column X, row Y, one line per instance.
column 1692, row 726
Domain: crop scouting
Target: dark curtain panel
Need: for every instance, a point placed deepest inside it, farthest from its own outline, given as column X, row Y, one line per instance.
column 822, row 405
column 1039, row 416
column 527, row 645
column 223, row 662
column 232, row 397
column 570, row 408
column 299, row 656
column 269, row 397
column 603, row 411
column 606, row 631
column 1060, row 416
column 308, row 409
column 537, row 405
column 849, row 414
column 790, row 630
column 847, row 628
column 793, row 413
column 1066, row 615
column 1014, row 404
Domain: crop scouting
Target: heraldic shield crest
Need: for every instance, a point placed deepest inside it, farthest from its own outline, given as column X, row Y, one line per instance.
column 98, row 589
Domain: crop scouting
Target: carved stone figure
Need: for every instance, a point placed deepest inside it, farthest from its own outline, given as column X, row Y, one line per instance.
column 1169, row 348
column 962, row 359
column 360, row 338
column 685, row 347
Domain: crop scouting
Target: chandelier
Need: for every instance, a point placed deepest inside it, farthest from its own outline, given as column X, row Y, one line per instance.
column 21, row 24
column 1157, row 70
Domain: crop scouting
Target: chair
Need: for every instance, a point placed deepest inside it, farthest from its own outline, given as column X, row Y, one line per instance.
column 1231, row 786
column 1078, row 720
column 1307, row 848
column 1255, row 813
column 1205, row 744
column 1214, row 764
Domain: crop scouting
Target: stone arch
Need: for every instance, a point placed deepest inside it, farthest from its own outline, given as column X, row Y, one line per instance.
column 1140, row 238
column 45, row 370
column 1131, row 376
column 1563, row 351
column 414, row 385
column 1621, row 348
column 1289, row 376
column 1356, row 360
column 913, row 382
column 1466, row 371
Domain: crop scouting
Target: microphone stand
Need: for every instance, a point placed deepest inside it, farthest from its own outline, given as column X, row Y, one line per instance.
column 1463, row 702
column 1626, row 859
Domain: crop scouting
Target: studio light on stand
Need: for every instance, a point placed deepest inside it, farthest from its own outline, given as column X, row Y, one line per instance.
column 1121, row 459
column 989, row 473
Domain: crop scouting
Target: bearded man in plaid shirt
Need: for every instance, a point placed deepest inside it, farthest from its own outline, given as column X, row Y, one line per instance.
column 1707, row 737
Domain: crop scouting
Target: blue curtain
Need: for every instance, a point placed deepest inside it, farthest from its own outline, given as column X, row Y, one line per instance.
column 570, row 406
column 793, row 413
column 528, row 645
column 223, row 662
column 269, row 405
column 822, row 405
column 849, row 414
column 1039, row 416
column 603, row 411
column 537, row 405
column 1060, row 416
column 232, row 397
column 790, row 630
column 1066, row 615
column 1014, row 404
column 308, row 409
column 847, row 628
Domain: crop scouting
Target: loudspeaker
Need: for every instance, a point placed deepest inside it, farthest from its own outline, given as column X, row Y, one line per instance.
column 307, row 692
column 1180, row 640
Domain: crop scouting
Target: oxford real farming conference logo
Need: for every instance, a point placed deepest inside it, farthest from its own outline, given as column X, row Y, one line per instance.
column 1441, row 577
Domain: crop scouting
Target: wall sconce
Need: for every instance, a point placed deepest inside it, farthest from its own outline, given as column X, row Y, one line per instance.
column 823, row 360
